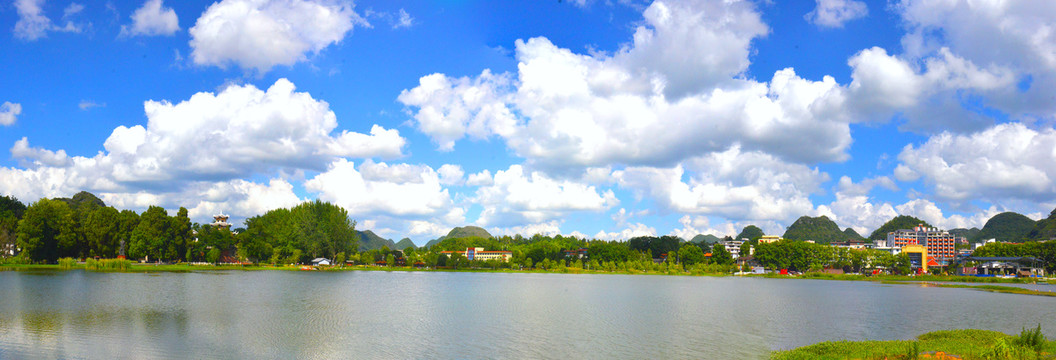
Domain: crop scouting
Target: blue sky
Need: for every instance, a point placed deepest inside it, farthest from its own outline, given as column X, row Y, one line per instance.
column 603, row 119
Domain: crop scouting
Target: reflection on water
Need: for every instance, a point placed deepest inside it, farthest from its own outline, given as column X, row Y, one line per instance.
column 280, row 314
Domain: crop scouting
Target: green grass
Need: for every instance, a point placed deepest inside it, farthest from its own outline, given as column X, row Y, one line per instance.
column 965, row 344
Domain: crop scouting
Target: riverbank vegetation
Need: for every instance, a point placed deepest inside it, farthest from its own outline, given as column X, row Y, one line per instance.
column 945, row 344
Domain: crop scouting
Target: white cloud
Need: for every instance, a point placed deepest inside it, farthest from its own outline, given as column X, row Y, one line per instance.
column 482, row 178
column 549, row 228
column 32, row 24
column 1004, row 162
column 700, row 225
column 848, row 187
column 260, row 34
column 38, row 156
column 451, row 108
column 88, row 104
column 9, row 113
column 741, row 186
column 403, row 20
column 518, row 197
column 400, row 190
column 152, row 19
column 450, row 174
column 834, row 13
column 635, row 230
column 1014, row 35
column 240, row 131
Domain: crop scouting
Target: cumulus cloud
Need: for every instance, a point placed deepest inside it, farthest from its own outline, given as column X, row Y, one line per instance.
column 450, row 174
column 32, row 24
column 1005, row 161
column 1013, row 35
column 700, row 225
column 260, row 34
column 194, row 149
column 549, row 228
column 834, row 13
column 516, row 196
column 9, row 113
column 38, row 156
column 397, row 190
column 153, row 18
column 451, row 108
column 746, row 186
column 634, row 230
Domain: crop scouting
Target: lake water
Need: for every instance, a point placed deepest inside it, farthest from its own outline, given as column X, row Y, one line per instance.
column 413, row 315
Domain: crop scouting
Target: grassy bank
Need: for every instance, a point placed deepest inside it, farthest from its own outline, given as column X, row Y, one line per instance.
column 945, row 344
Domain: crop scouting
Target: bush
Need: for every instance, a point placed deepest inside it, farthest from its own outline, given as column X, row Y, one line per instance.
column 67, row 263
column 1032, row 339
column 108, row 264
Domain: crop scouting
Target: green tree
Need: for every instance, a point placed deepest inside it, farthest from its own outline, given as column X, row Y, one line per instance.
column 720, row 256
column 102, row 232
column 180, row 233
column 690, row 254
column 151, row 237
column 45, row 232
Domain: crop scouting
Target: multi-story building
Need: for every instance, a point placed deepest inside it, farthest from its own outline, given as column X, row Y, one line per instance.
column 733, row 247
column 478, row 254
column 940, row 244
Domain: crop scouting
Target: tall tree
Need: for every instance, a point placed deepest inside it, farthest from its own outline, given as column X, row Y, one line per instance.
column 102, row 231
column 45, row 232
column 151, row 237
column 180, row 233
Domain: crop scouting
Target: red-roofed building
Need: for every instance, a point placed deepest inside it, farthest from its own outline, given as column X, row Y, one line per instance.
column 479, row 254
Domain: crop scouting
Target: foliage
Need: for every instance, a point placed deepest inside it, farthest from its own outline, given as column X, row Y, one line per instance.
column 466, row 231
column 108, row 264
column 721, row 256
column 1045, row 229
column 690, row 254
column 1045, row 251
column 67, row 263
column 1032, row 339
column 750, row 233
column 10, row 212
column 1006, row 226
column 705, row 239
column 965, row 233
column 654, row 245
column 309, row 230
column 850, row 234
column 46, row 231
column 403, row 244
column 969, row 344
column 896, row 223
column 820, row 229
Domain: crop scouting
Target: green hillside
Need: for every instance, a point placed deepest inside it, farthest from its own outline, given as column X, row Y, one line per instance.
column 368, row 240
column 750, row 232
column 897, row 223
column 404, row 243
column 1006, row 226
column 700, row 238
column 821, row 229
column 466, row 231
column 965, row 233
column 1044, row 229
column 850, row 234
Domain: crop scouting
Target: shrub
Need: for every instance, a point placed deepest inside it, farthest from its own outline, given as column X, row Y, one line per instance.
column 67, row 263
column 1032, row 339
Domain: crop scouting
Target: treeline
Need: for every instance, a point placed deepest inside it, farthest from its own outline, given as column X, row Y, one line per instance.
column 84, row 227
column 1045, row 251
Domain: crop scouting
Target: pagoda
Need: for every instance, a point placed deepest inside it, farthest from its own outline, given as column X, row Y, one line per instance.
column 220, row 221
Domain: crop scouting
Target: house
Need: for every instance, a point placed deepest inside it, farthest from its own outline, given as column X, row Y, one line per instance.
column 320, row 261
column 474, row 254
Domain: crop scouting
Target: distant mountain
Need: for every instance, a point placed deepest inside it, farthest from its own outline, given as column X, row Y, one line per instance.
column 368, row 240
column 850, row 234
column 432, row 242
column 83, row 198
column 404, row 243
column 1006, row 226
column 750, row 232
column 821, row 229
column 965, row 233
column 1044, row 229
column 466, row 231
column 710, row 239
column 896, row 223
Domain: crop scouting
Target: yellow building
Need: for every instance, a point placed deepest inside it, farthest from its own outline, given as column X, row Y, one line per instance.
column 766, row 239
column 918, row 256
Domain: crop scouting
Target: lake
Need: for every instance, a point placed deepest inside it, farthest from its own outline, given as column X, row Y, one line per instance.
column 405, row 315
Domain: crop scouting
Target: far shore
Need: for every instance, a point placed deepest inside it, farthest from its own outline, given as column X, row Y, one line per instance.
column 948, row 281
